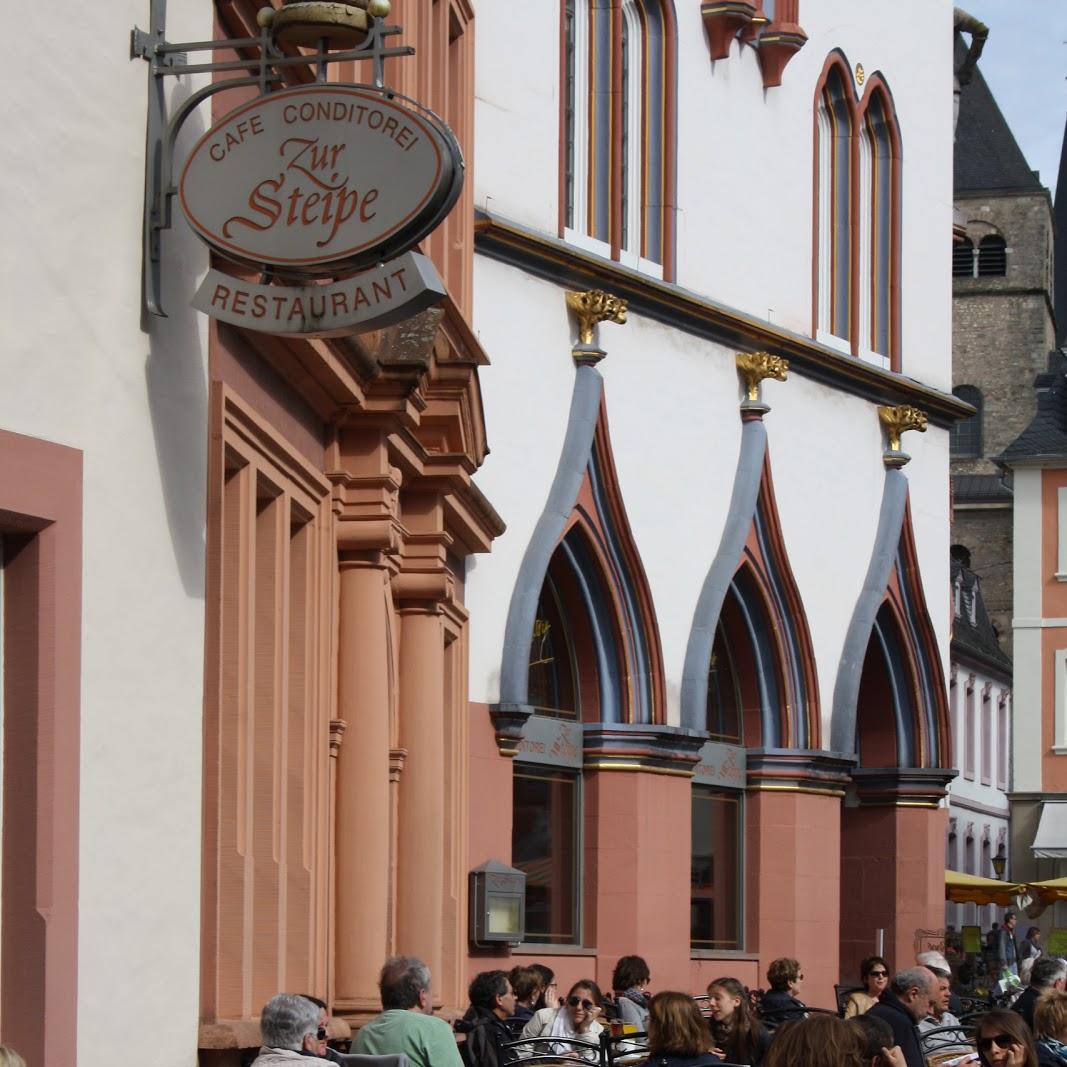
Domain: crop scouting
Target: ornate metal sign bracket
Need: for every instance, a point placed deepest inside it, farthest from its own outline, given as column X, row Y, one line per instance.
column 264, row 72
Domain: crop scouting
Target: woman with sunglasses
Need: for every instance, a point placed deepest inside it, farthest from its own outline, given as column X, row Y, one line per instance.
column 575, row 1018
column 737, row 1036
column 874, row 974
column 1004, row 1040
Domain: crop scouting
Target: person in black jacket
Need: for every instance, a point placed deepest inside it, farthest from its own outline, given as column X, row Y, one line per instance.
column 492, row 1001
column 780, row 1003
column 737, row 1035
column 908, row 999
column 1047, row 973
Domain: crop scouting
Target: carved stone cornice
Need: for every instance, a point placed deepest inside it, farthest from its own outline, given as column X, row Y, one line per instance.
column 722, row 20
column 896, row 420
column 797, row 770
column 508, row 721
column 902, row 787
column 591, row 307
column 650, row 747
column 396, row 763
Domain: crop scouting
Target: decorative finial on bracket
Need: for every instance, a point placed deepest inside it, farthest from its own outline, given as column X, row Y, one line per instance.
column 896, row 420
column 754, row 367
column 591, row 307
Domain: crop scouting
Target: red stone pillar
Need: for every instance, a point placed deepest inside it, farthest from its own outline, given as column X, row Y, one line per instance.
column 792, row 872
column 638, row 782
column 893, row 863
column 362, row 890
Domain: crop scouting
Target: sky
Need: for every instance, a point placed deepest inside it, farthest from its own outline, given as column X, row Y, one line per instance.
column 1025, row 65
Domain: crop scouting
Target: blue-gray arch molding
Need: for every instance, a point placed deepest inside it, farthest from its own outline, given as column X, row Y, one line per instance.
column 604, row 606
column 694, row 695
column 902, row 645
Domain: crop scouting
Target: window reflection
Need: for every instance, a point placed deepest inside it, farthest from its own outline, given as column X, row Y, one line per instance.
column 715, row 911
column 544, row 846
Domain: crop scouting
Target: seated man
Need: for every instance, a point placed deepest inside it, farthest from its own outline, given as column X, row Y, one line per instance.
column 946, row 1044
column 291, row 1033
column 406, row 1023
column 492, row 1001
column 1047, row 973
column 903, row 1004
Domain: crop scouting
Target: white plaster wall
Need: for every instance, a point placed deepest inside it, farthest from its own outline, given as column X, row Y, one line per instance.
column 672, row 404
column 78, row 369
column 744, row 220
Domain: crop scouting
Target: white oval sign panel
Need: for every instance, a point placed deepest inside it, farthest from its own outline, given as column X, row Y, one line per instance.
column 321, row 177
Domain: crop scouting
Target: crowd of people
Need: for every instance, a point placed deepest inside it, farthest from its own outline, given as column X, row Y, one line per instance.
column 911, row 1018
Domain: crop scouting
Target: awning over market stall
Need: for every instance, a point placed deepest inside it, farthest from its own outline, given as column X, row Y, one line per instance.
column 963, row 888
column 1050, row 841
column 1051, row 891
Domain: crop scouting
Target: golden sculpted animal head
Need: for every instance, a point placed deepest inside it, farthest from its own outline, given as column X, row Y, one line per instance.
column 593, row 306
column 897, row 419
column 755, row 366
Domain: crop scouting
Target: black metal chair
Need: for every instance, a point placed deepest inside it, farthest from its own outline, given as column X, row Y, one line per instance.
column 939, row 1043
column 841, row 995
column 534, row 1050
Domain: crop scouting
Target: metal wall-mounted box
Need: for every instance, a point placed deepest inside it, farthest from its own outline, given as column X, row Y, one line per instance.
column 497, row 904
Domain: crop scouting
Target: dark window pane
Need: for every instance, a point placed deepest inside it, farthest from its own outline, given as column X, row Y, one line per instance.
column 963, row 259
column 724, row 702
column 544, row 845
column 965, row 437
column 992, row 256
column 551, row 687
column 715, row 894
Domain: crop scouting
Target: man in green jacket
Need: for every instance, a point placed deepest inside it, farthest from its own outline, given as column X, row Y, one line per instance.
column 406, row 1023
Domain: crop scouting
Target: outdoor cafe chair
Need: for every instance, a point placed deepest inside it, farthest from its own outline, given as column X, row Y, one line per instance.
column 534, row 1050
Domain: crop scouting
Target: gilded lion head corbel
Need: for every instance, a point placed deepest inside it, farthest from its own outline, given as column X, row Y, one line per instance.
column 591, row 307
column 898, row 419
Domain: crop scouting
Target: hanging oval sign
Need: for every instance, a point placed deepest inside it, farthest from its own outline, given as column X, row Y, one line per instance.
column 321, row 179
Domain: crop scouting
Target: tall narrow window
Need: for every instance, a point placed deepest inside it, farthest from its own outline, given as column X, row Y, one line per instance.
column 970, row 731
column 553, row 670
column 835, row 204
column 992, row 256
column 857, row 162
column 965, row 437
column 963, row 258
column 715, row 882
column 877, row 263
column 1002, row 741
column 545, row 846
column 616, row 163
column 987, row 735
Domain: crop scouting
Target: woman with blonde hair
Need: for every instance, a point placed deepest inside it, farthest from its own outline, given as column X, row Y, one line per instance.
column 677, row 1036
column 1050, row 1026
column 10, row 1058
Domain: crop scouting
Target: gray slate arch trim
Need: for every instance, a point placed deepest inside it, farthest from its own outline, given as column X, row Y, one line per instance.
column 883, row 559
column 573, row 459
column 694, row 695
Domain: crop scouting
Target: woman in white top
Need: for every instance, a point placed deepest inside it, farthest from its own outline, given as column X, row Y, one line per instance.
column 575, row 1019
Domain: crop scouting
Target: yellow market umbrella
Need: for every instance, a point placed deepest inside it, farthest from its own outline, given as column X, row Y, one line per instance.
column 1049, row 892
column 963, row 888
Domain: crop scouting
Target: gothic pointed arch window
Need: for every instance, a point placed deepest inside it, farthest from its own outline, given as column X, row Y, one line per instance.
column 834, row 133
column 762, row 691
column 617, row 169
column 857, row 216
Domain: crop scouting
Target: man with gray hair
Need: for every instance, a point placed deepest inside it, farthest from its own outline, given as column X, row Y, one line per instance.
column 290, row 1028
column 406, row 1023
column 904, row 1003
column 1048, row 972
